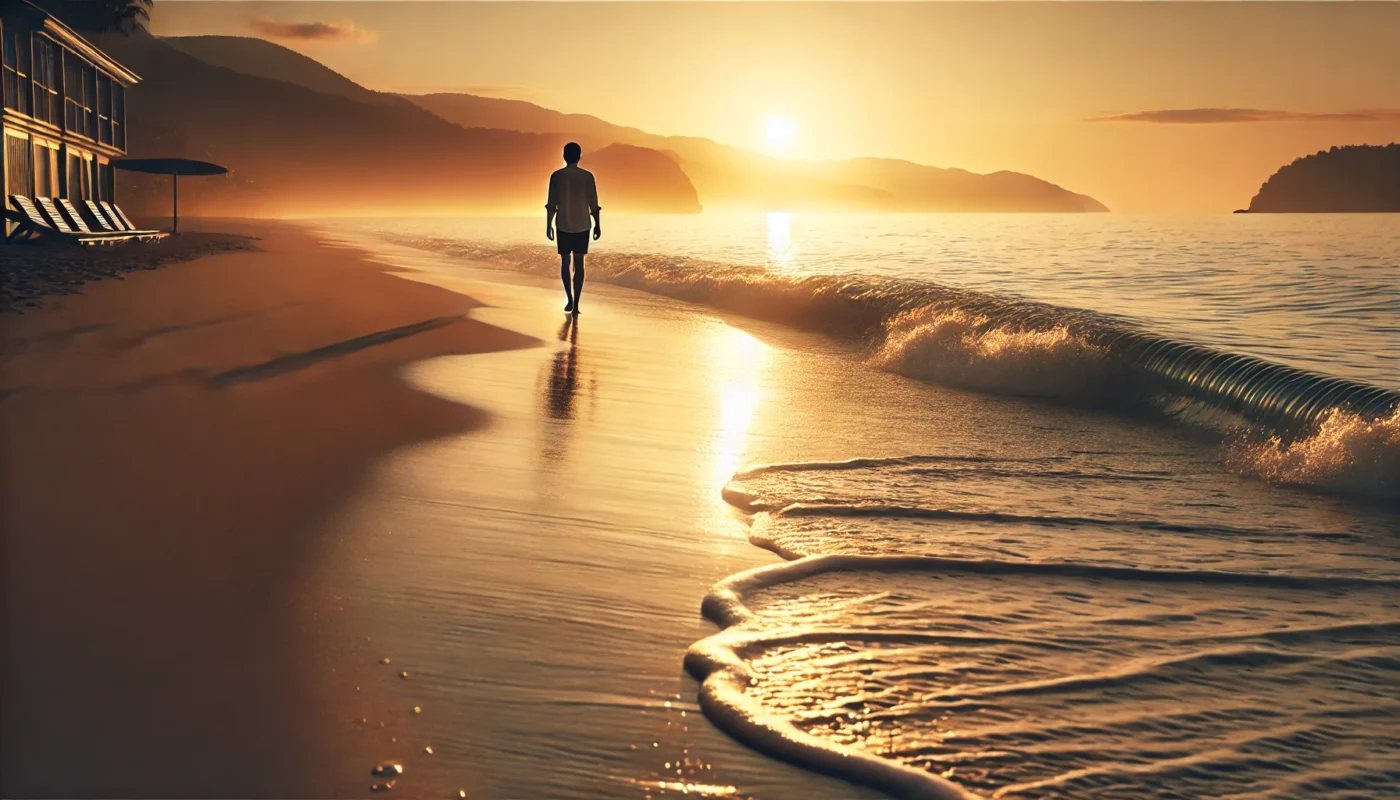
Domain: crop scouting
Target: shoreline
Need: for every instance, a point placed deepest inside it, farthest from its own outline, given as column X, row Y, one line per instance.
column 591, row 526
column 1275, row 421
column 770, row 390
column 211, row 562
column 287, row 515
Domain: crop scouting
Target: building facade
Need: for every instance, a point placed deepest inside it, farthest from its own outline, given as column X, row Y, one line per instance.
column 62, row 108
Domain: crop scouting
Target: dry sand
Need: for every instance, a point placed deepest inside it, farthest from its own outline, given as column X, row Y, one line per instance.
column 171, row 443
column 34, row 270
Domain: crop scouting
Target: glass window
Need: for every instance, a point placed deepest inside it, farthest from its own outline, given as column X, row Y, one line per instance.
column 10, row 85
column 118, row 115
column 73, row 95
column 80, row 95
column 90, row 101
column 104, row 108
column 16, row 69
column 47, row 63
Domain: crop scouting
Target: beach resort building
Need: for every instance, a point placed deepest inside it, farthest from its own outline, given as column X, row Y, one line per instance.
column 62, row 106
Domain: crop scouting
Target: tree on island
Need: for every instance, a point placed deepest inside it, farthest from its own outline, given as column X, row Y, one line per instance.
column 1355, row 178
column 102, row 16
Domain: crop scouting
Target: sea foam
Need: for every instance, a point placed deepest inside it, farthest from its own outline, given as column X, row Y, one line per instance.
column 946, row 626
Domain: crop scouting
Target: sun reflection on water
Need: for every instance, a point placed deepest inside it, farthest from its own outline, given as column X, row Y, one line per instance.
column 740, row 364
column 781, row 254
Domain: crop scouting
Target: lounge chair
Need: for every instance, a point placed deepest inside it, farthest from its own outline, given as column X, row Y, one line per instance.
column 96, row 213
column 33, row 224
column 122, row 223
column 75, row 227
column 104, row 227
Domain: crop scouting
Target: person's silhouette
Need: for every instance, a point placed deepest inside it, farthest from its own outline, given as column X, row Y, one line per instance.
column 573, row 197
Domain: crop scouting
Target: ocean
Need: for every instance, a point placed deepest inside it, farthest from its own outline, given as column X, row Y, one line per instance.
column 1141, row 541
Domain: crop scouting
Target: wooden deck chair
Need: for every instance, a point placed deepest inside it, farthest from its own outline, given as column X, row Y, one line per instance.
column 33, row 224
column 122, row 220
column 60, row 221
column 75, row 219
column 95, row 212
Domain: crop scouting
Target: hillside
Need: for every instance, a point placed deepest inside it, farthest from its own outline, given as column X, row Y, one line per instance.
column 502, row 145
column 518, row 115
column 731, row 176
column 295, row 150
column 1356, row 179
column 638, row 179
column 264, row 59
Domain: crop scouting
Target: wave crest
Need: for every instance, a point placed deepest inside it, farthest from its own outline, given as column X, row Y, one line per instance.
column 971, row 351
column 1347, row 453
column 1302, row 427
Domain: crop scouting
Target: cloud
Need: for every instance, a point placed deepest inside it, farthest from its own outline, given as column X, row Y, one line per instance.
column 1225, row 116
column 312, row 31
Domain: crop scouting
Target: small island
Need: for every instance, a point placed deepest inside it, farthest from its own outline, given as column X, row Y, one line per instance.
column 1352, row 179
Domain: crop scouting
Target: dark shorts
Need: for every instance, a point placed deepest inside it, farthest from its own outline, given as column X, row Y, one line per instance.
column 572, row 242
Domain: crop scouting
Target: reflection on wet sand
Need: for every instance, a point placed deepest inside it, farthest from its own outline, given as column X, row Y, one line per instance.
column 542, row 580
column 563, row 374
column 559, row 394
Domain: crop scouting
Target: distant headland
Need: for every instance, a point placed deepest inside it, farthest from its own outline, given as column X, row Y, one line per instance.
column 1355, row 179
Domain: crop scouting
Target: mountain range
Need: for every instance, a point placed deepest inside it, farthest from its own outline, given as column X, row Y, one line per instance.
column 303, row 140
column 734, row 177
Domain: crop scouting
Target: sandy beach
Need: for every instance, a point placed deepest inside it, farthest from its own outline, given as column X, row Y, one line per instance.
column 276, row 517
column 236, row 485
column 33, row 271
column 919, row 438
column 172, row 443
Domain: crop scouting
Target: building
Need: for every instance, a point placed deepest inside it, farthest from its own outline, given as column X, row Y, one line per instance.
column 62, row 106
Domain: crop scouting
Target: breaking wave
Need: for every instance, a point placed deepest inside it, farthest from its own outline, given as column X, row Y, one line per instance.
column 1347, row 453
column 969, row 350
column 1283, row 423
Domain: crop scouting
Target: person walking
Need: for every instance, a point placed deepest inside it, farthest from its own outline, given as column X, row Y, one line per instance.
column 573, row 198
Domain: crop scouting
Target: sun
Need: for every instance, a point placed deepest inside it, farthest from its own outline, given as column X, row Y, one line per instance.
column 780, row 132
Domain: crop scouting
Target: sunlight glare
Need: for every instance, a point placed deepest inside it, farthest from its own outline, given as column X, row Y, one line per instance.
column 740, row 362
column 780, row 132
column 780, row 252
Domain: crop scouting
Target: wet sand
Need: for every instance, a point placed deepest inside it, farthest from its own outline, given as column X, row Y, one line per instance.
column 274, row 518
column 540, row 579
column 236, row 486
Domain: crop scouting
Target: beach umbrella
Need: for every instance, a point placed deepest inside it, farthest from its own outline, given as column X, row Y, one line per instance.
column 174, row 167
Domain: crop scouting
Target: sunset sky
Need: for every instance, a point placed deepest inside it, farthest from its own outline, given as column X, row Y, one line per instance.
column 1145, row 106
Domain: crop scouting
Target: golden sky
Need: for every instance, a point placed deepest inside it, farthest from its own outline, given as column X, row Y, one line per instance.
column 986, row 86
